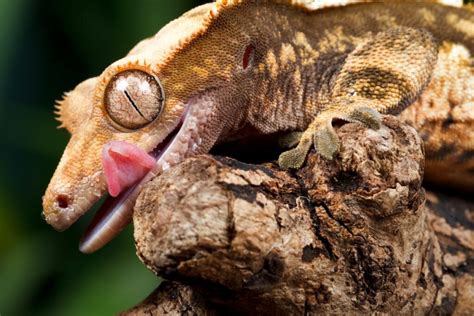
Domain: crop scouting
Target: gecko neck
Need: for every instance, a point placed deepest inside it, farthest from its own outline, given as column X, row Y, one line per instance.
column 293, row 74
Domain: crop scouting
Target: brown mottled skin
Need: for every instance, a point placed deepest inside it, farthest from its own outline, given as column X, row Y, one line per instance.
column 306, row 70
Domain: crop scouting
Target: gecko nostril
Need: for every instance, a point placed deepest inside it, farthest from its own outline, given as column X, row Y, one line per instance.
column 63, row 201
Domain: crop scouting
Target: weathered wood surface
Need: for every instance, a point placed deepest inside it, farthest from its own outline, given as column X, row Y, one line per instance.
column 352, row 235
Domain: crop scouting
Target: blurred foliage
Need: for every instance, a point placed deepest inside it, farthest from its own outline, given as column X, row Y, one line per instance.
column 46, row 48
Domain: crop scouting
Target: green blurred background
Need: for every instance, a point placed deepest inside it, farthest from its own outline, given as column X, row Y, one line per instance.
column 46, row 48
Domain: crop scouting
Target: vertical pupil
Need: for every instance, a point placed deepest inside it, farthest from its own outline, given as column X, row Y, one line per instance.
column 247, row 55
column 133, row 98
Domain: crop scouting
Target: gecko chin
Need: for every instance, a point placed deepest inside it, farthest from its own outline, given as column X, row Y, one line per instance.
column 185, row 140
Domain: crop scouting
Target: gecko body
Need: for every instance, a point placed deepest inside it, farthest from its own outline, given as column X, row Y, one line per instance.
column 234, row 69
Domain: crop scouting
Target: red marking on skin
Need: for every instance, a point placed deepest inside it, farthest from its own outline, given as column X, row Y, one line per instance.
column 247, row 56
column 124, row 164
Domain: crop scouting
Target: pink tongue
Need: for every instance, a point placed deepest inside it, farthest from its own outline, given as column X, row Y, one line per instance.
column 124, row 164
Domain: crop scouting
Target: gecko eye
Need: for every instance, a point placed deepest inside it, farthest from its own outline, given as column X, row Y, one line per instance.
column 133, row 98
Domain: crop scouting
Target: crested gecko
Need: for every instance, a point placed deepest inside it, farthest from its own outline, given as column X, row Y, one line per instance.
column 233, row 69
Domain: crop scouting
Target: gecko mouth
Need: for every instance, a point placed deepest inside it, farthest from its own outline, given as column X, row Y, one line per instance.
column 116, row 212
column 184, row 141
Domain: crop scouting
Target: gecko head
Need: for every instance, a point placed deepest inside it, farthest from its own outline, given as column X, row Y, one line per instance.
column 163, row 102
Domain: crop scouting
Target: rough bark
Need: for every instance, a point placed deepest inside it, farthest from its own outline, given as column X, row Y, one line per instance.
column 351, row 235
column 171, row 298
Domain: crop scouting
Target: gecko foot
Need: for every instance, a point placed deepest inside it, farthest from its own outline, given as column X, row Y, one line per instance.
column 321, row 133
column 326, row 141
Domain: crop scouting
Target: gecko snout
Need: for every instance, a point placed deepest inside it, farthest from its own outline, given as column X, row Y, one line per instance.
column 64, row 204
column 59, row 208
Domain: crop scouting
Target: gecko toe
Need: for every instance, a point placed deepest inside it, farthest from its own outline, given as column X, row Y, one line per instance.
column 326, row 142
column 294, row 158
column 367, row 116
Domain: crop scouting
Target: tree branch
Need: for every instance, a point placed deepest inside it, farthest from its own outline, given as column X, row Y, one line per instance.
column 350, row 235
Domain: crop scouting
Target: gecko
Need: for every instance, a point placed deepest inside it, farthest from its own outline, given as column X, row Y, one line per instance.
column 235, row 69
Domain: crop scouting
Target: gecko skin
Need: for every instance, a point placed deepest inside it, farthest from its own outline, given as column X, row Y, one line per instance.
column 235, row 69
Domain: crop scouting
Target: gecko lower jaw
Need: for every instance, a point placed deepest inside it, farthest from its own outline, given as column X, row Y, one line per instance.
column 116, row 213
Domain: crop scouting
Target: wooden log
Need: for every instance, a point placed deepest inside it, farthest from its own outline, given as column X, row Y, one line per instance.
column 351, row 235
